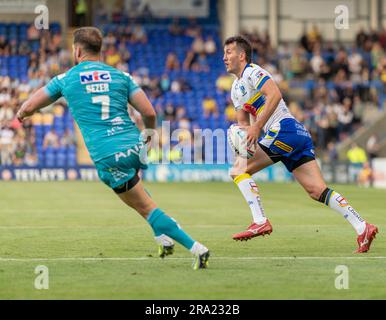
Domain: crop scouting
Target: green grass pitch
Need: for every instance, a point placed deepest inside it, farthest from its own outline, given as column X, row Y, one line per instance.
column 61, row 224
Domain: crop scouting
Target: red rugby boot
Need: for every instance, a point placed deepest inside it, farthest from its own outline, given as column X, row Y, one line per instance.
column 364, row 240
column 254, row 230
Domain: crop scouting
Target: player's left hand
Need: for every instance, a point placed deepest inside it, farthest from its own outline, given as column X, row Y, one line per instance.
column 252, row 134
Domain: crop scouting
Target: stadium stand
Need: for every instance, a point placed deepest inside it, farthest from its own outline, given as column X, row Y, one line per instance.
column 178, row 62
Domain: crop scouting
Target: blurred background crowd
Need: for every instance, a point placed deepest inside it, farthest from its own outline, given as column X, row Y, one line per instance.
column 330, row 87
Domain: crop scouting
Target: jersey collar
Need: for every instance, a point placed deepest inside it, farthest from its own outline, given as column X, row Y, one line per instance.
column 248, row 65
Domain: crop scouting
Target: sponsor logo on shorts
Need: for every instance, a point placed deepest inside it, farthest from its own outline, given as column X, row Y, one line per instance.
column 283, row 146
column 125, row 154
column 117, row 174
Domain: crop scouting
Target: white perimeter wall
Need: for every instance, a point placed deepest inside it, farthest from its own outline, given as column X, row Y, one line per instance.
column 298, row 15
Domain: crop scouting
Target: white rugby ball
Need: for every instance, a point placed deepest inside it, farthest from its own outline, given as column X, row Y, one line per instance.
column 237, row 138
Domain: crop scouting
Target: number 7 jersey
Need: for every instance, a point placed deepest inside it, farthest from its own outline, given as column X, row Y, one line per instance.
column 97, row 96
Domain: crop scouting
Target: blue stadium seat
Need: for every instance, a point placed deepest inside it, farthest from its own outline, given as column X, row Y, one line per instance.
column 71, row 159
column 61, row 159
column 49, row 158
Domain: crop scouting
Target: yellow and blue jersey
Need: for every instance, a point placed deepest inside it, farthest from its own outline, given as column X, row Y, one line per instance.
column 285, row 139
column 97, row 96
column 247, row 90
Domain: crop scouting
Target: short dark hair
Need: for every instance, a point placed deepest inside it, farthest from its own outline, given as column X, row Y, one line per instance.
column 89, row 38
column 243, row 44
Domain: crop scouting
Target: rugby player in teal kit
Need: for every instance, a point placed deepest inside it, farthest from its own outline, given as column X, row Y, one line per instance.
column 98, row 96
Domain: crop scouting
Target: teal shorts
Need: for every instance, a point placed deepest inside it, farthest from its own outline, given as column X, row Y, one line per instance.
column 121, row 167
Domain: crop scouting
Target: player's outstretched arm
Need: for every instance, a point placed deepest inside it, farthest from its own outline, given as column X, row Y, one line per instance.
column 272, row 98
column 142, row 104
column 38, row 100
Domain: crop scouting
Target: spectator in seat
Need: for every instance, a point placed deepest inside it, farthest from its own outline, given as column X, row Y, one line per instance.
column 118, row 11
column 189, row 61
column 51, row 139
column 6, row 112
column 209, row 106
column 230, row 112
column 32, row 34
column 365, row 176
column 170, row 112
column 68, row 139
column 198, row 45
column 81, row 12
column 112, row 56
column 19, row 154
column 201, row 65
column 172, row 62
column 373, row 147
column 224, row 82
column 139, row 35
column 165, row 83
column 316, row 61
column 298, row 63
column 175, row 86
column 356, row 154
column 377, row 54
column 6, row 145
column 210, row 46
column 110, row 40
column 345, row 116
column 332, row 153
column 355, row 61
column 124, row 52
column 31, row 159
column 101, row 15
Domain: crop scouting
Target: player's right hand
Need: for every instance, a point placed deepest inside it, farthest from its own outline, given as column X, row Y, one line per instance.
column 147, row 135
column 20, row 116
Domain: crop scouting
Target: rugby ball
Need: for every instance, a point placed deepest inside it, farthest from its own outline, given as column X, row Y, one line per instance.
column 237, row 138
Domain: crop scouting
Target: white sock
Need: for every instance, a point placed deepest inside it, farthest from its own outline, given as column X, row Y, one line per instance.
column 251, row 194
column 164, row 240
column 335, row 201
column 198, row 249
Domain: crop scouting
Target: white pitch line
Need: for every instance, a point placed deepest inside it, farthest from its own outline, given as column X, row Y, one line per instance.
column 184, row 258
column 115, row 226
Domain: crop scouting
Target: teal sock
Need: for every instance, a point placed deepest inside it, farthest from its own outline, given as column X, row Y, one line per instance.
column 163, row 224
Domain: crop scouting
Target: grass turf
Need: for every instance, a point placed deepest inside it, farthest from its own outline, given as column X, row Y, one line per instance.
column 62, row 223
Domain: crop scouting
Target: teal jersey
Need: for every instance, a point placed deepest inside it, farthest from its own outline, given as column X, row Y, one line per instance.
column 97, row 96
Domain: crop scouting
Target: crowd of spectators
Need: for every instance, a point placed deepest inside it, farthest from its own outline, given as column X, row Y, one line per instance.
column 18, row 142
column 332, row 106
column 338, row 81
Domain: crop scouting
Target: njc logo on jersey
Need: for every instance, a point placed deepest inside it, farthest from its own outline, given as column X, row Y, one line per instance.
column 94, row 76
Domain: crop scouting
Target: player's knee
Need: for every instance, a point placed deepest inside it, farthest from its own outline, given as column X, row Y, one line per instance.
column 143, row 208
column 314, row 192
column 236, row 171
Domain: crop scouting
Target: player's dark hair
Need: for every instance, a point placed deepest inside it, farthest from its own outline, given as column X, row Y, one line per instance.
column 243, row 44
column 89, row 38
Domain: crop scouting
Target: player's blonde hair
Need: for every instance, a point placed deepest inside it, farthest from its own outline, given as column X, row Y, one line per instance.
column 90, row 38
